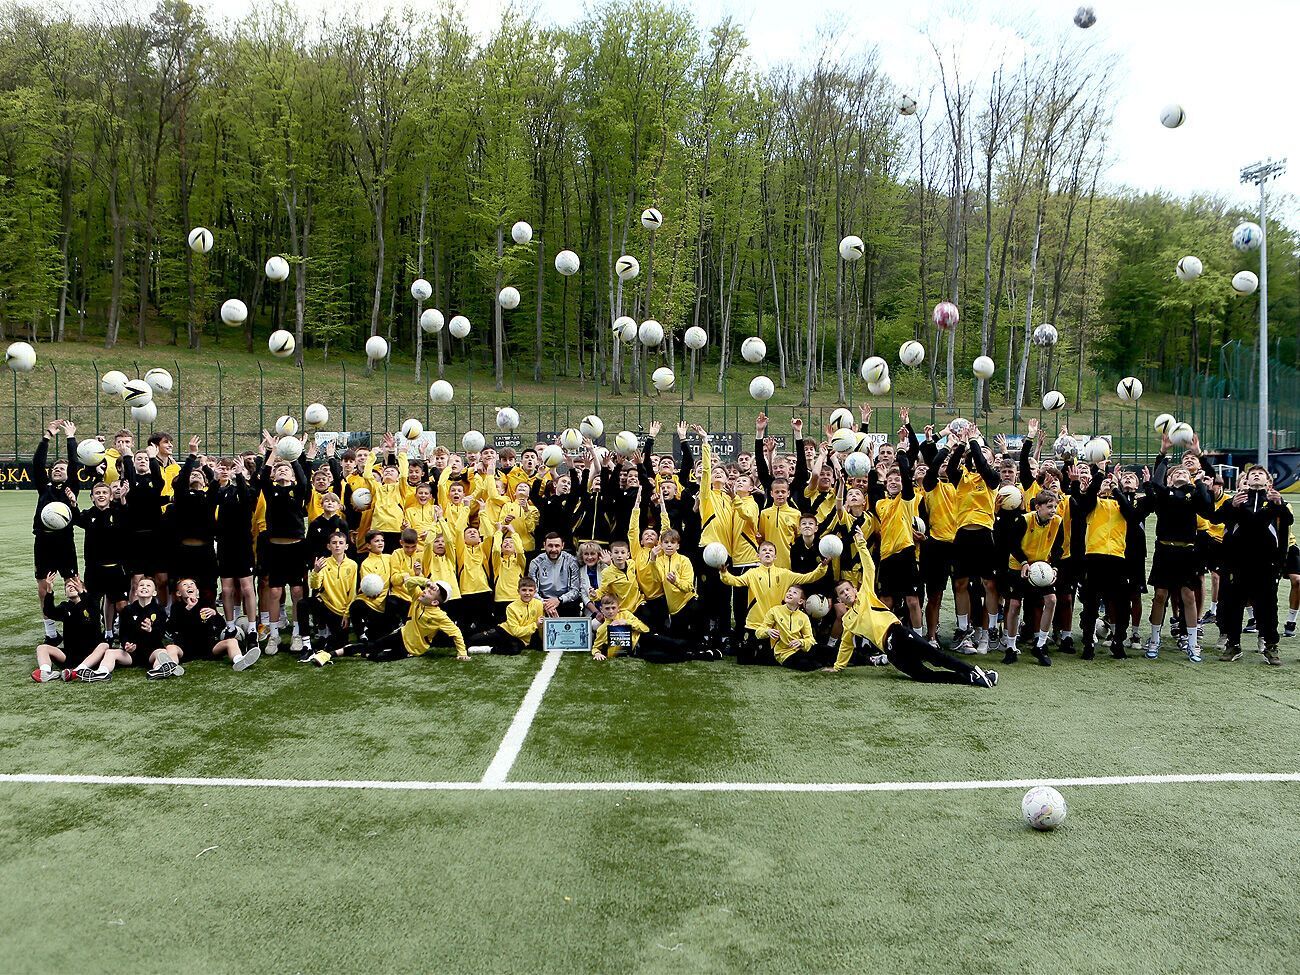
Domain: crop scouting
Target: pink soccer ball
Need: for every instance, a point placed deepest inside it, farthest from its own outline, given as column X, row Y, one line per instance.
column 946, row 315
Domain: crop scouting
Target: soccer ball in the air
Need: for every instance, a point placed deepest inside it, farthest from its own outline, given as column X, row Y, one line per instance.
column 1045, row 334
column 761, row 388
column 1096, row 450
column 521, row 233
column 651, row 218
column 842, row 419
column 625, row 443
column 1172, row 116
column 1010, row 497
column 1053, row 400
column 911, row 353
column 281, row 343
column 234, row 312
column 627, row 267
column 145, row 413
column 552, row 456
column 159, row 380
column 412, row 429
column 315, row 416
column 1247, row 236
column 56, row 516
column 361, row 499
column 695, row 337
column 650, row 333
column 1245, row 282
column 663, row 379
column 90, row 453
column 715, row 555
column 376, row 348
column 753, row 349
column 137, row 392
column 1181, row 435
column 1188, row 268
column 567, row 263
column 441, row 391
column 570, row 439
column 286, row 426
column 983, row 367
column 852, row 248
column 1085, row 17
column 371, row 585
column 592, row 427
column 945, row 315
column 1129, row 389
column 880, row 387
column 844, row 440
column 113, row 382
column 277, row 269
column 431, row 321
column 906, row 105
column 817, row 606
column 1043, row 807
column 458, row 327
column 200, row 240
column 472, row 442
column 874, row 369
column 830, row 547
column 1164, row 423
column 21, row 357
column 508, row 298
column 857, row 464
column 421, row 289
column 625, row 328
column 507, row 418
column 288, row 448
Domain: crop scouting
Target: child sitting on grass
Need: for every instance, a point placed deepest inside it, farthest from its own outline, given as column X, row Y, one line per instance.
column 414, row 637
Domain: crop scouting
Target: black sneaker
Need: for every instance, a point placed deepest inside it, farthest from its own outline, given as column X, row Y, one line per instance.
column 1288, row 630
column 86, row 674
column 1011, row 656
column 1208, row 617
column 1042, row 657
column 983, row 678
column 1231, row 653
column 1117, row 651
column 1067, row 645
column 53, row 641
column 1250, row 626
column 1088, row 653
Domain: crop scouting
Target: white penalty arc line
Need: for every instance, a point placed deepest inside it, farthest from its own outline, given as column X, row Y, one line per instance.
column 380, row 785
column 510, row 745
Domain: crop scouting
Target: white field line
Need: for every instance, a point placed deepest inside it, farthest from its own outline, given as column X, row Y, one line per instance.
column 508, row 750
column 381, row 785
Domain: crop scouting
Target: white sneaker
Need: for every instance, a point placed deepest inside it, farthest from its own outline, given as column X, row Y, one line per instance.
column 295, row 645
column 982, row 646
column 479, row 649
column 250, row 657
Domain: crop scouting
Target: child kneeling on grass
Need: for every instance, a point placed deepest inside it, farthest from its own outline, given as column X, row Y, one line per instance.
column 622, row 634
column 414, row 637
column 81, row 632
column 788, row 630
column 520, row 631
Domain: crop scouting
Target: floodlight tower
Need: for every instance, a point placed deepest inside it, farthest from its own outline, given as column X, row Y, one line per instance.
column 1260, row 173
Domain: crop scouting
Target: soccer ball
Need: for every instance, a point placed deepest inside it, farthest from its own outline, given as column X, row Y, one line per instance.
column 376, row 348
column 844, row 440
column 1164, row 423
column 1053, row 400
column 753, row 349
column 137, row 392
column 625, row 328
column 1064, row 446
column 458, row 327
column 983, row 367
column 817, row 606
column 21, row 357
column 159, row 380
column 857, row 464
column 570, row 439
column 521, row 233
column 421, row 289
column 695, row 337
column 1247, row 236
column 906, row 105
column 281, row 343
column 1181, row 435
column 651, row 218
column 592, row 427
column 1010, row 498
column 567, row 263
column 911, row 353
column 200, row 240
column 1043, row 807
column 316, row 416
column 880, row 387
column 288, row 448
column 1245, row 282
column 412, row 429
column 234, row 312
column 112, row 382
column 277, row 269
column 1188, row 268
column 651, row 333
column 90, row 453
column 842, row 419
column 852, row 248
column 145, row 414
column 761, row 388
column 1084, row 17
column 1129, row 389
column 715, row 555
column 56, row 516
column 1041, row 574
column 1172, row 116
column 945, row 315
column 286, row 426
column 361, row 499
column 625, row 443
column 918, row 525
column 627, row 267
column 1045, row 334
column 507, row 418
column 472, row 442
column 663, row 379
column 1096, row 450
column 830, row 547
column 552, row 456
column 371, row 585
column 441, row 391
column 959, row 424
column 874, row 369
column 508, row 298
column 431, row 321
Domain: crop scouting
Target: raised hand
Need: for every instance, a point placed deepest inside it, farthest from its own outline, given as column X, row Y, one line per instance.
column 796, row 425
column 864, row 411
column 681, row 430
column 655, row 427
column 69, row 428
column 760, row 424
column 194, row 444
column 1033, row 428
column 904, row 414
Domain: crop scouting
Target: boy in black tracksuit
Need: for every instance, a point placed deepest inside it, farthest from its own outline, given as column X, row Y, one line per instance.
column 1254, row 549
column 102, row 544
column 55, row 551
column 80, row 618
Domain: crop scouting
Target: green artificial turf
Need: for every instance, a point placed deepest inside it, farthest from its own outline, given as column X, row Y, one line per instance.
column 1141, row 878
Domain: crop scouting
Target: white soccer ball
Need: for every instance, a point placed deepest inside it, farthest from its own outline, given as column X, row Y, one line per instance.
column 508, row 298
column 376, row 348
column 1010, row 497
column 361, row 499
column 881, row 387
column 277, row 269
column 852, row 248
column 1188, row 268
column 761, row 388
column 90, row 453
column 56, row 516
column 567, row 263
column 715, row 555
column 911, row 353
column 753, row 349
column 286, row 426
column 1181, row 434
column 1064, row 446
column 1245, row 282
column 1172, row 116
column 412, row 429
column 472, row 442
column 159, row 380
column 315, row 416
column 945, row 315
column 507, row 418
column 1129, row 389
column 663, row 379
column 1247, row 237
column 1045, row 334
column 1096, row 450
column 234, row 312
column 983, row 367
column 695, row 338
column 281, row 343
column 1043, row 807
column 421, row 289
column 1085, row 17
column 857, row 464
column 571, row 439
column 1164, row 423
column 918, row 525
column 146, row 413
column 625, row 328
column 21, row 357
column 592, row 427
column 552, row 456
column 371, row 585
column 1053, row 400
column 627, row 267
column 441, row 391
column 959, row 424
column 625, row 443
column 136, row 392
column 651, row 333
column 1041, row 574
column 288, row 448
column 906, row 105
column 200, row 240
column 431, row 321
column 874, row 369
column 113, row 382
column 830, row 547
column 458, row 326
column 842, row 419
column 651, row 218
column 817, row 606
column 844, row 440
column 521, row 232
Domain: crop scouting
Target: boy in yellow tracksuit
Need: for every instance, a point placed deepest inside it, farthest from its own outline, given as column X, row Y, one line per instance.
column 388, row 495
column 767, row 584
column 715, row 526
column 521, row 629
column 622, row 634
column 414, row 637
column 619, row 579
column 333, row 582
column 372, row 616
column 508, row 567
column 1106, row 511
column 788, row 631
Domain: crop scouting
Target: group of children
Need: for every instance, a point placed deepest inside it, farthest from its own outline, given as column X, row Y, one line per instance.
column 838, row 553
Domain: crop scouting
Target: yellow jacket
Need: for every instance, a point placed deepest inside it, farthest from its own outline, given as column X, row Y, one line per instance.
column 793, row 625
column 387, row 501
column 621, row 584
column 622, row 618
column 336, row 584
column 767, row 586
column 425, row 623
column 680, row 592
column 523, row 619
column 382, row 566
column 868, row 617
column 779, row 524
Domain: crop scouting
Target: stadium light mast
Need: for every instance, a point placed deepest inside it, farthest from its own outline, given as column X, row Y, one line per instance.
column 1260, row 173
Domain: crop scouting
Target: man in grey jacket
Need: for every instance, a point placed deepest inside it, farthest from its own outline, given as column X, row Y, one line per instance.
column 556, row 573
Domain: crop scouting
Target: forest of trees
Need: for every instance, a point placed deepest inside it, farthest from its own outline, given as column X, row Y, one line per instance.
column 372, row 152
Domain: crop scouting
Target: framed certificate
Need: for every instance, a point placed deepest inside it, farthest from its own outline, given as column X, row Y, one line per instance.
column 567, row 633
